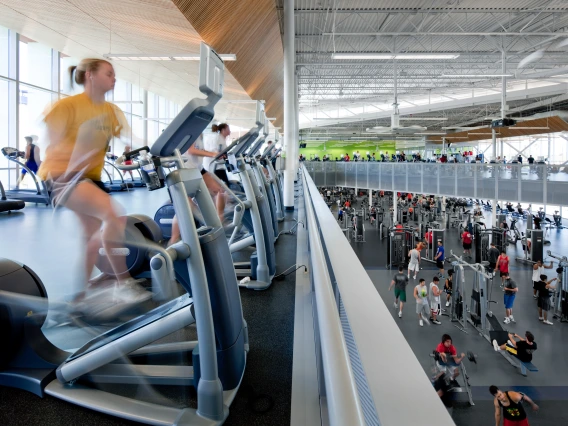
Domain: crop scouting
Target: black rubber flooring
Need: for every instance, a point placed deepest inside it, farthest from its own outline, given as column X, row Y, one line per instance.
column 49, row 244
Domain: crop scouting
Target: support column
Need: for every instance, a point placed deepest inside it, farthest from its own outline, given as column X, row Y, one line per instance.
column 370, row 198
column 394, row 207
column 145, row 116
column 494, row 144
column 494, row 213
column 289, row 105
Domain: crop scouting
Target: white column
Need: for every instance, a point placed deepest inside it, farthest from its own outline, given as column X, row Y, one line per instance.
column 395, row 207
column 289, row 105
column 494, row 143
column 145, row 116
column 494, row 213
column 503, row 84
column 370, row 198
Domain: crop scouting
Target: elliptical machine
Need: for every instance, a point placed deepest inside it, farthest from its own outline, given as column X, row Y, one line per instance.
column 31, row 362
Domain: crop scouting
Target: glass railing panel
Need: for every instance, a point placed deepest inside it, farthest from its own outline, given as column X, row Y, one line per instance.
column 330, row 173
column 340, row 172
column 386, row 176
column 374, row 176
column 319, row 173
column 532, row 189
column 448, row 179
column 400, row 171
column 351, row 174
column 362, row 181
column 414, row 177
column 508, row 182
column 486, row 181
column 430, row 178
column 466, row 180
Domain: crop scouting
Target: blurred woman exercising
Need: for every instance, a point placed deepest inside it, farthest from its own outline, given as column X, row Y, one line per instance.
column 80, row 129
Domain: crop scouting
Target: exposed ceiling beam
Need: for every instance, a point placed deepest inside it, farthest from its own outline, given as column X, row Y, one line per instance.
column 452, row 10
column 438, row 34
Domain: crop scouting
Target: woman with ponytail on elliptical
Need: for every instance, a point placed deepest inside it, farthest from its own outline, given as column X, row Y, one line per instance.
column 217, row 143
column 80, row 129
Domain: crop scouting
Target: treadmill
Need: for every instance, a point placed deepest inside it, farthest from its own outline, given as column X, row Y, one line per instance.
column 123, row 184
column 39, row 195
column 266, row 161
column 9, row 205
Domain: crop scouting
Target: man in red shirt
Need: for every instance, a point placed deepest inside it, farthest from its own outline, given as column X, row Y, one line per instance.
column 429, row 238
column 449, row 359
column 466, row 241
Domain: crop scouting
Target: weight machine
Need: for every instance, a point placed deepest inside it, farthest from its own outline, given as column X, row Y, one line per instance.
column 358, row 227
column 437, row 235
column 535, row 253
column 401, row 241
column 560, row 295
column 482, row 238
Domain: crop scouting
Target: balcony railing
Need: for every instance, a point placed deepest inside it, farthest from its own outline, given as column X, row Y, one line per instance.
column 538, row 183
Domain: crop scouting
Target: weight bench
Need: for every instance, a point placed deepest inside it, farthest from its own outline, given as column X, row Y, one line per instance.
column 502, row 337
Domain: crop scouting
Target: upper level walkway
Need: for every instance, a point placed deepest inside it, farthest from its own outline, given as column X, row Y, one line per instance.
column 539, row 184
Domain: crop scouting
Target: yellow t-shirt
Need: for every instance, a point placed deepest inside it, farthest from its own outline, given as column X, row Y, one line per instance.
column 80, row 131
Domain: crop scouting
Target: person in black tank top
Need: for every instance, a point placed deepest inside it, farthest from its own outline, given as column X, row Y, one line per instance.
column 510, row 403
column 30, row 158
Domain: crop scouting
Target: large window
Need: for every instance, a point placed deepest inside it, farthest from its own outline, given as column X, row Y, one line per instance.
column 4, row 51
column 35, row 63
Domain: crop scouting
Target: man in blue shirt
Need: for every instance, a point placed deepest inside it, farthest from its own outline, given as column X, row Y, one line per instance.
column 439, row 258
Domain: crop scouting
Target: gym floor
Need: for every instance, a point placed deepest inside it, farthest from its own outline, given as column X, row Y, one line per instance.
column 50, row 243
column 548, row 387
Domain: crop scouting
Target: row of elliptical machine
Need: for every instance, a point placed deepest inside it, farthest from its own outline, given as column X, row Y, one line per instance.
column 211, row 301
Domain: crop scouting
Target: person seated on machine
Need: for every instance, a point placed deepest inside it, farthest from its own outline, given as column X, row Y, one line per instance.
column 510, row 207
column 522, row 349
column 537, row 221
column 449, row 360
column 557, row 219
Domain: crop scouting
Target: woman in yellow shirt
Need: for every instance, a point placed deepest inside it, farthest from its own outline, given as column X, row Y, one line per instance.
column 80, row 128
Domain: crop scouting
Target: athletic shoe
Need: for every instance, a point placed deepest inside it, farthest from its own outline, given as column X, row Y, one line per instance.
column 512, row 319
column 426, row 319
column 535, row 296
column 414, row 276
column 540, row 318
column 507, row 321
column 437, row 322
column 421, row 323
column 130, row 291
column 496, row 346
column 400, row 314
column 447, row 304
column 510, row 343
column 395, row 305
column 547, row 322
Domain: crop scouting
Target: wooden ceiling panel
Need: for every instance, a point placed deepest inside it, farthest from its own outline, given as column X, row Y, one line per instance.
column 543, row 126
column 249, row 29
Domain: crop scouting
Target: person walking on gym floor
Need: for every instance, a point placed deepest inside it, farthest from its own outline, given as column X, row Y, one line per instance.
column 448, row 285
column 422, row 308
column 439, row 258
column 31, row 157
column 466, row 242
column 414, row 263
column 80, row 128
column 434, row 296
column 503, row 265
column 510, row 288
column 399, row 281
column 493, row 255
column 543, row 302
column 522, row 349
column 450, row 360
column 538, row 270
column 511, row 404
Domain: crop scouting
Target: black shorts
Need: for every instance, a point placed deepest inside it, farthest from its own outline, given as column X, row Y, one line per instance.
column 492, row 266
column 467, row 246
column 222, row 174
column 544, row 303
column 61, row 189
column 535, row 285
column 504, row 273
column 440, row 264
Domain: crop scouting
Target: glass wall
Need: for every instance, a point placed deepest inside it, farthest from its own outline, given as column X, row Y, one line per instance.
column 41, row 77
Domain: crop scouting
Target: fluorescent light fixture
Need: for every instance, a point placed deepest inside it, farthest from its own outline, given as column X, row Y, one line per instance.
column 388, row 56
column 476, row 75
column 243, row 101
column 529, row 128
column 325, row 118
column 481, row 133
column 166, row 57
column 456, row 137
column 431, row 133
column 127, row 102
column 307, row 101
column 424, row 118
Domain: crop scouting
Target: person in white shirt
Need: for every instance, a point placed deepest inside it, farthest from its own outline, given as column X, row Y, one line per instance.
column 216, row 145
column 195, row 156
column 434, row 297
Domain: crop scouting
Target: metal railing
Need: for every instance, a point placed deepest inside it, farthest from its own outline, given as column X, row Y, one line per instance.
column 365, row 380
column 540, row 184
